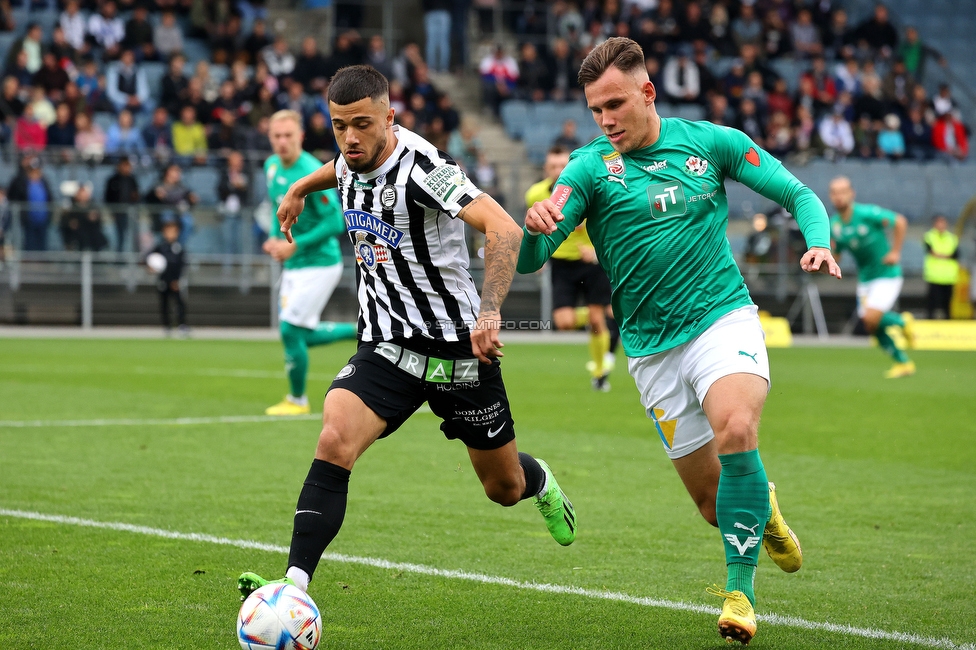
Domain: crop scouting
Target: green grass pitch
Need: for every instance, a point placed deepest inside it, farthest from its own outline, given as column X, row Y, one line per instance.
column 877, row 477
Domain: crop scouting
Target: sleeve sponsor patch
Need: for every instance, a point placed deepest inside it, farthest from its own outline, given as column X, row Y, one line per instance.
column 560, row 194
column 444, row 181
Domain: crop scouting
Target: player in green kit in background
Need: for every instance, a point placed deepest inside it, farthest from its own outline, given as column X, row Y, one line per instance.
column 653, row 196
column 860, row 229
column 312, row 264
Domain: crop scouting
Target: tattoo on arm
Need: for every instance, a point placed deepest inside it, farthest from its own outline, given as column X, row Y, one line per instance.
column 465, row 209
column 501, row 257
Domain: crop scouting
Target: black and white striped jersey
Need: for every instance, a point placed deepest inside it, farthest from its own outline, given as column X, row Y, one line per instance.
column 412, row 260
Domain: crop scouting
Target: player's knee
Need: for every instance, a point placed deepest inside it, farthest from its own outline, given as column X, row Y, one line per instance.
column 504, row 492
column 737, row 433
column 564, row 321
column 336, row 448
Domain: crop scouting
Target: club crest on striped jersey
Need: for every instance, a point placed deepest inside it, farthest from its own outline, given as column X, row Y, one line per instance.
column 695, row 165
column 388, row 196
column 615, row 163
column 443, row 181
column 358, row 221
column 369, row 255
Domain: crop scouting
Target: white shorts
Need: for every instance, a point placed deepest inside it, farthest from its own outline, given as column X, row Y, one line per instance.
column 880, row 294
column 673, row 383
column 304, row 293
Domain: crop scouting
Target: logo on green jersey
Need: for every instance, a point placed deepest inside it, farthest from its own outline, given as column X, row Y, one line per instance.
column 667, row 200
column 752, row 356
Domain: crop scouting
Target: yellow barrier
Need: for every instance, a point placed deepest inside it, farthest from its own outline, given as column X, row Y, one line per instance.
column 778, row 334
column 940, row 335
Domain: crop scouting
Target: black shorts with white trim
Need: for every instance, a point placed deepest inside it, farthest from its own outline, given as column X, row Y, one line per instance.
column 395, row 378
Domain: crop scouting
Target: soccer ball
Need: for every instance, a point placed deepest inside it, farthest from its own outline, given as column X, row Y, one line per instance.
column 279, row 616
column 156, row 261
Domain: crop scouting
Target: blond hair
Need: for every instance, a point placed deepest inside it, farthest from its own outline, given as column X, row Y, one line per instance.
column 287, row 114
column 617, row 52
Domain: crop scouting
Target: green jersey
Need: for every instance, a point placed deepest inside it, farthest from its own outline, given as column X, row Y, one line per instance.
column 864, row 236
column 657, row 218
column 321, row 221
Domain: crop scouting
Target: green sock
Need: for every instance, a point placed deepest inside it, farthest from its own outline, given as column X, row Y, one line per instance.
column 888, row 344
column 296, row 356
column 742, row 509
column 890, row 318
column 327, row 332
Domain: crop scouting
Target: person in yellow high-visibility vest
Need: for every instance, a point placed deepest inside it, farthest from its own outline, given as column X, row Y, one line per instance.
column 941, row 268
column 576, row 274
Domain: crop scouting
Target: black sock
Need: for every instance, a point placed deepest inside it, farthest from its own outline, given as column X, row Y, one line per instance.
column 614, row 333
column 319, row 514
column 535, row 476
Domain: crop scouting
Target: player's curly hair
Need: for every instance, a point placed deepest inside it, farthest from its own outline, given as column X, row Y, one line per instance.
column 355, row 82
column 618, row 52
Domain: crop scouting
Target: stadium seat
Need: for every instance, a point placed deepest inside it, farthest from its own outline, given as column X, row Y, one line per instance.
column 195, row 51
column 203, row 181
column 104, row 120
column 155, row 71
column 515, row 117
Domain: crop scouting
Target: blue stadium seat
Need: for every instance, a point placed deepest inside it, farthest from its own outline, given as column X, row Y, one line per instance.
column 155, row 71
column 203, row 181
column 195, row 50
column 515, row 117
column 104, row 120
column 219, row 73
column 691, row 111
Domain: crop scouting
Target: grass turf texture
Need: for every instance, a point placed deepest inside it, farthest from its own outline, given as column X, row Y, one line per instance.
column 875, row 476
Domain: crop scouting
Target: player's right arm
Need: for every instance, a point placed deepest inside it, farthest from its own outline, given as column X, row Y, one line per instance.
column 292, row 205
column 549, row 222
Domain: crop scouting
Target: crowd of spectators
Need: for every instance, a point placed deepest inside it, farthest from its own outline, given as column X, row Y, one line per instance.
column 80, row 93
column 860, row 94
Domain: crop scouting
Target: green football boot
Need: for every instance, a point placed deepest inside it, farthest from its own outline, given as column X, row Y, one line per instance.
column 557, row 510
column 249, row 582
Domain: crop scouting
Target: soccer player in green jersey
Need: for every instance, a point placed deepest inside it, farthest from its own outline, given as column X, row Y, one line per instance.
column 652, row 193
column 312, row 262
column 859, row 228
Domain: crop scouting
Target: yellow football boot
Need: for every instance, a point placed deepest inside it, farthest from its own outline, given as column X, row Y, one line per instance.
column 738, row 619
column 779, row 540
column 899, row 370
column 908, row 329
column 288, row 407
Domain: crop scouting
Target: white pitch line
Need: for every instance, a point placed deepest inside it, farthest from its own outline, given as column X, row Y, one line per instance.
column 150, row 422
column 771, row 619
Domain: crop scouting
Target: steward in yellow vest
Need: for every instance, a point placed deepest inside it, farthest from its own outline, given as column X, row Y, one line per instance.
column 941, row 265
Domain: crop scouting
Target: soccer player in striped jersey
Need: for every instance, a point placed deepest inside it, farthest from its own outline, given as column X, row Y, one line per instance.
column 425, row 334
column 312, row 260
column 653, row 196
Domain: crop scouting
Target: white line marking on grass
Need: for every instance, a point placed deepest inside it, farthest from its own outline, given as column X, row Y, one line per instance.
column 234, row 373
column 771, row 619
column 148, row 422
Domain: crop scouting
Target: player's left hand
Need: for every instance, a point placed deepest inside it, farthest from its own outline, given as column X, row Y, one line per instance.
column 279, row 249
column 485, row 343
column 820, row 260
column 891, row 257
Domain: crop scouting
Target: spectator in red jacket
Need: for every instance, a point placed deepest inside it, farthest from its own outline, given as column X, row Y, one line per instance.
column 29, row 134
column 949, row 137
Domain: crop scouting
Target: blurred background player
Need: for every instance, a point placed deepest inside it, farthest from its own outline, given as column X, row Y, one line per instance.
column 941, row 270
column 312, row 263
column 653, row 195
column 860, row 228
column 168, row 279
column 575, row 271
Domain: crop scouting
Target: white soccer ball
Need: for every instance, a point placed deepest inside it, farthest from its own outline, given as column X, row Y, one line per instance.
column 156, row 261
column 279, row 616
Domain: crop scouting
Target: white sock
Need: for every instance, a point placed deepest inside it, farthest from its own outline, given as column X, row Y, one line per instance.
column 298, row 401
column 545, row 487
column 300, row 577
